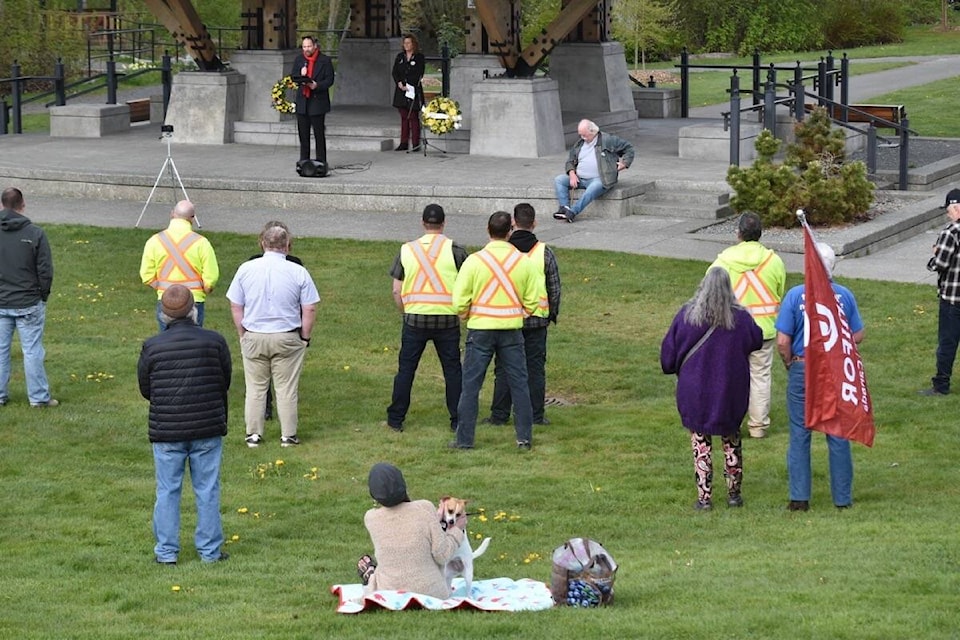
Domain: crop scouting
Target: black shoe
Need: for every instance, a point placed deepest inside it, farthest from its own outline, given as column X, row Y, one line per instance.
column 396, row 427
column 169, row 563
column 457, row 445
column 542, row 421
column 493, row 421
column 523, row 445
column 223, row 556
column 560, row 215
column 843, row 506
column 932, row 392
column 735, row 500
column 702, row 505
column 798, row 505
column 402, row 147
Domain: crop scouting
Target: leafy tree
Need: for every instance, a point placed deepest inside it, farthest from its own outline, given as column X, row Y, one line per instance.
column 814, row 177
column 644, row 24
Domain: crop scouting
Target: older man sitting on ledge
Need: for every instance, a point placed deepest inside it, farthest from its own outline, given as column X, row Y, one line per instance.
column 593, row 164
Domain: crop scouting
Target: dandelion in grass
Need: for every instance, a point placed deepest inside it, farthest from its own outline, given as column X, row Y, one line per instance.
column 175, row 588
column 243, row 510
column 346, row 367
column 278, row 463
column 312, row 475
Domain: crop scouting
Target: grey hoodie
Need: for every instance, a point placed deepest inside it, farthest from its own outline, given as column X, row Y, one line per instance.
column 26, row 264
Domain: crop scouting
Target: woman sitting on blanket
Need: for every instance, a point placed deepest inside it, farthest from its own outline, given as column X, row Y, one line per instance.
column 410, row 546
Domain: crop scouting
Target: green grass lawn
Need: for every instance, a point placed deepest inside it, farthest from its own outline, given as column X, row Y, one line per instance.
column 614, row 465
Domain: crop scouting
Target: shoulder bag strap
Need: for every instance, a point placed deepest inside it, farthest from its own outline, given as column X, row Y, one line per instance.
column 699, row 344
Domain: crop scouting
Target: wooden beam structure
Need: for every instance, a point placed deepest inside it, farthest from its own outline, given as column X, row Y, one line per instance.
column 375, row 19
column 269, row 24
column 578, row 21
column 181, row 19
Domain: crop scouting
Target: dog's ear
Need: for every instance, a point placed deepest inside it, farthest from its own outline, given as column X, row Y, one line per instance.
column 444, row 499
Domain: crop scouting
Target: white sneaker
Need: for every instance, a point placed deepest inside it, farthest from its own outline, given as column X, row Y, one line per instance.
column 758, row 432
column 254, row 440
column 290, row 441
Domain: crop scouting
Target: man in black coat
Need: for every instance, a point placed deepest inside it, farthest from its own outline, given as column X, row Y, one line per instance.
column 313, row 71
column 184, row 372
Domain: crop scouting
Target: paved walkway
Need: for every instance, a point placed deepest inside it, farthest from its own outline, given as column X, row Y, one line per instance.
column 140, row 153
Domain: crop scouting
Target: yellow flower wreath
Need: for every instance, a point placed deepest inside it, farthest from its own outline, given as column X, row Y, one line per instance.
column 441, row 115
column 278, row 95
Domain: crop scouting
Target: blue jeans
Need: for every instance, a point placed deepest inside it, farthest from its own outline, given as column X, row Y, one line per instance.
column 798, row 451
column 199, row 306
column 170, row 460
column 482, row 345
column 535, row 348
column 413, row 341
column 948, row 336
column 29, row 324
column 593, row 189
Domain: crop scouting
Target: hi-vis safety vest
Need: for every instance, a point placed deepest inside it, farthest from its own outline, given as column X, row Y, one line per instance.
column 754, row 294
column 499, row 300
column 176, row 269
column 540, row 268
column 429, row 274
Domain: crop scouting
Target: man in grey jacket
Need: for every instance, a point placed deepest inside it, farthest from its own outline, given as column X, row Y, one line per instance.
column 593, row 164
column 26, row 275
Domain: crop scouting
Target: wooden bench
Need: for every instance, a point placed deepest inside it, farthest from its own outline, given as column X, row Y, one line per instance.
column 862, row 113
column 139, row 110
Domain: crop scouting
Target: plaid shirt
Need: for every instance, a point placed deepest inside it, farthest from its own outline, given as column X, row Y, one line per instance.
column 552, row 273
column 946, row 262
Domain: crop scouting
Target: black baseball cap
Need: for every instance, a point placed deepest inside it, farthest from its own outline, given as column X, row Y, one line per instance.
column 952, row 198
column 433, row 213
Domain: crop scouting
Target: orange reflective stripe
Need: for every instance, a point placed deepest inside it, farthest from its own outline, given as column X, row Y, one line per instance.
column 500, row 282
column 428, row 273
column 750, row 282
column 177, row 259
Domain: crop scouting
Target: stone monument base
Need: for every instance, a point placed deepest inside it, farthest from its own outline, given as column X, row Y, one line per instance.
column 516, row 118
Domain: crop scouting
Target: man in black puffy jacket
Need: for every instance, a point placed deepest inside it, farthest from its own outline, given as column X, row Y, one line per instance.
column 185, row 373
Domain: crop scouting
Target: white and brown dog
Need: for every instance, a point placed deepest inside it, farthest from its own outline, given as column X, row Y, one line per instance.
column 461, row 564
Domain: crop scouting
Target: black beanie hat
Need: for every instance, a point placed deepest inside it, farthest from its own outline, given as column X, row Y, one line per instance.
column 387, row 485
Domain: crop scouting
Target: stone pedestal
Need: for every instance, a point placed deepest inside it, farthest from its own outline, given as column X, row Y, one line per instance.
column 363, row 71
column 204, row 105
column 156, row 108
column 656, row 103
column 89, row 120
column 262, row 70
column 711, row 142
column 465, row 71
column 592, row 77
column 516, row 118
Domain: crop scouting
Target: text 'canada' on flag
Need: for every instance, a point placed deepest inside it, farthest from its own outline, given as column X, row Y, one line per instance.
column 837, row 399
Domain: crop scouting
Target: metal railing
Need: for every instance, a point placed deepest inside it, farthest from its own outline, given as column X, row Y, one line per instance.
column 766, row 103
column 827, row 76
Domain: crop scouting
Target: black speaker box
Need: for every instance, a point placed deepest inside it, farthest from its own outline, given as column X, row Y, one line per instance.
column 311, row 169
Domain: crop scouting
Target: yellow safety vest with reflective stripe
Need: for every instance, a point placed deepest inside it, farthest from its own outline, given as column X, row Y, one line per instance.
column 178, row 255
column 495, row 289
column 429, row 271
column 754, row 294
column 536, row 257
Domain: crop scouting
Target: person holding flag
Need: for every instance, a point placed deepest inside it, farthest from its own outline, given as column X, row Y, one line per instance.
column 826, row 389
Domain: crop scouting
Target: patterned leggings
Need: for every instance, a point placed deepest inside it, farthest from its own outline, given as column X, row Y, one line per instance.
column 703, row 464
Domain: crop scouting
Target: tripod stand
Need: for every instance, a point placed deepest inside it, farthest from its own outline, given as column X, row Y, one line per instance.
column 166, row 131
column 424, row 143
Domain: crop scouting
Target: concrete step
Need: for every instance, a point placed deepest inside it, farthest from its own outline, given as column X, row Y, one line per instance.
column 682, row 199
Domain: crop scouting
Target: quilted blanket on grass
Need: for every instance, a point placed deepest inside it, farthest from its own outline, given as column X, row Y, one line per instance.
column 498, row 594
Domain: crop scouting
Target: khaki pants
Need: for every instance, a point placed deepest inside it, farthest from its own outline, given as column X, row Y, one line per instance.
column 761, row 365
column 278, row 356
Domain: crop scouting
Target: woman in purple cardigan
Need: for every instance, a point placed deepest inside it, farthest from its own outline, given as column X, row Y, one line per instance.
column 708, row 346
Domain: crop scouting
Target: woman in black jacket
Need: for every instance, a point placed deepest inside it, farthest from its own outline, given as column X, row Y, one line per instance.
column 407, row 72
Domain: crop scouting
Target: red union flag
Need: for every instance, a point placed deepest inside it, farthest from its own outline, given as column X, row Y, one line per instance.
column 837, row 398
